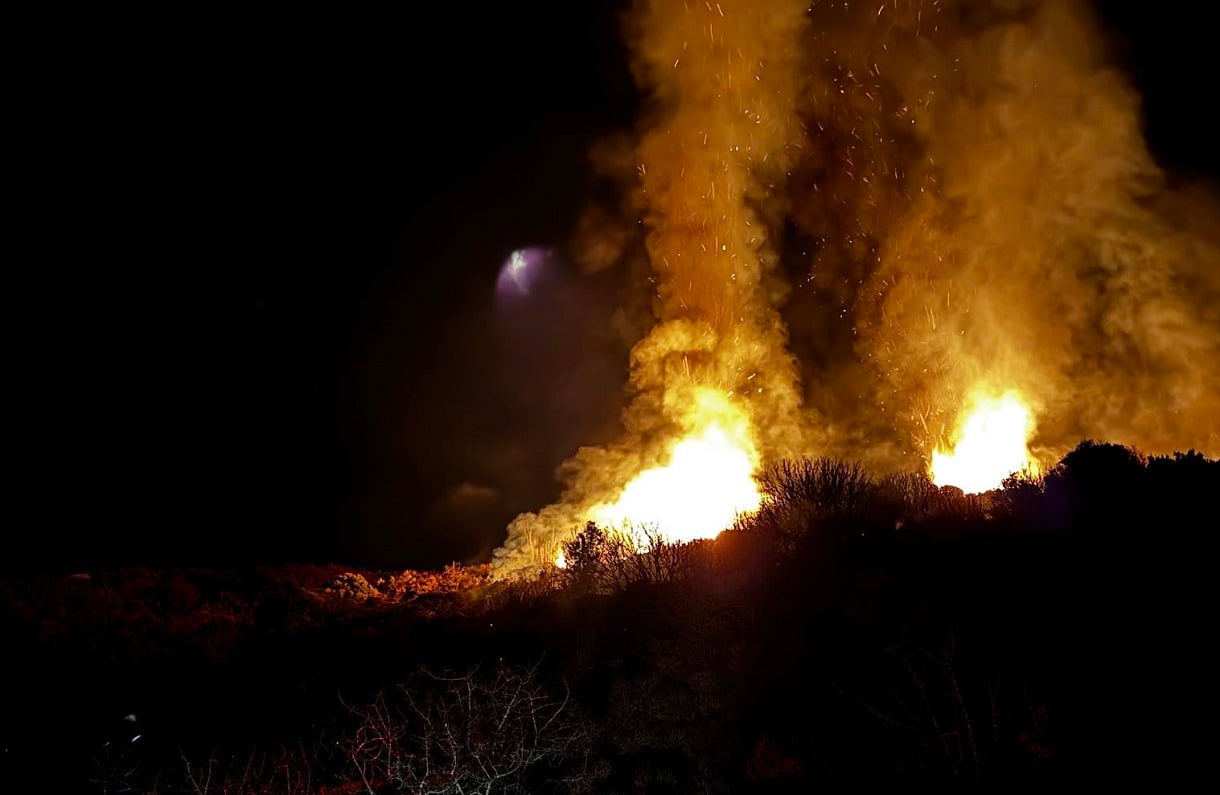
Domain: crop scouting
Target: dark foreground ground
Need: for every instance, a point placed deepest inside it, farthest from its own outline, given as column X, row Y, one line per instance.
column 858, row 633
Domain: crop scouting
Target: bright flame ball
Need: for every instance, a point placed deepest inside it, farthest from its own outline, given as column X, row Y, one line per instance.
column 706, row 485
column 990, row 445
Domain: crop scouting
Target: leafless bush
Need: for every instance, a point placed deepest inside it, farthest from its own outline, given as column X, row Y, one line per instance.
column 917, row 499
column 283, row 769
column 116, row 768
column 804, row 498
column 607, row 561
column 520, row 591
column 954, row 505
column 829, row 486
column 472, row 733
column 915, row 492
column 645, row 556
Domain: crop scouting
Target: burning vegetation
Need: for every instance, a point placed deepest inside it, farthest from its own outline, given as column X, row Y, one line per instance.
column 923, row 235
column 901, row 257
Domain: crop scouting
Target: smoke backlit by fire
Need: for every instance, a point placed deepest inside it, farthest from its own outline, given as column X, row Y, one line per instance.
column 991, row 444
column 710, row 162
column 937, row 194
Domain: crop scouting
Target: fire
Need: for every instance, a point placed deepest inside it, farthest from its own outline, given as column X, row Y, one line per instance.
column 706, row 485
column 990, row 445
column 708, row 482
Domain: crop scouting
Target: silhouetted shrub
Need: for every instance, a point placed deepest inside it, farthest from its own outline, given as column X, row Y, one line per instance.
column 953, row 505
column 745, row 555
column 607, row 561
column 522, row 592
column 472, row 732
column 1177, row 483
column 816, row 511
column 914, row 493
column 589, row 556
column 776, row 658
column 1030, row 503
column 830, row 487
column 1104, row 490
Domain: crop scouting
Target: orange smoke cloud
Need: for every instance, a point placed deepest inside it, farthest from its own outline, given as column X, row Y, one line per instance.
column 939, row 197
column 721, row 135
column 991, row 215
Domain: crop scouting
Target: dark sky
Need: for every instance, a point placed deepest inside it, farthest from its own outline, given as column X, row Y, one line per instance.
column 253, row 305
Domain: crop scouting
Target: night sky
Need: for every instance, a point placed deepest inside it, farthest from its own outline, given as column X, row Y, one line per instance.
column 255, row 309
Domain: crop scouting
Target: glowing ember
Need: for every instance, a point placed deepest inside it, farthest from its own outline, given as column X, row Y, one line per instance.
column 990, row 445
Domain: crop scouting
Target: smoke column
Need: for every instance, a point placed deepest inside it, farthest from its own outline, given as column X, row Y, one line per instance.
column 967, row 202
column 722, row 132
column 985, row 212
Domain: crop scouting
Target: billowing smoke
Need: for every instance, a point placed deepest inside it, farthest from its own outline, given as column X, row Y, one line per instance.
column 984, row 212
column 722, row 133
column 939, row 197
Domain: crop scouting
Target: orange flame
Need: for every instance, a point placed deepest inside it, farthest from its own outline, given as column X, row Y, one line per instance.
column 705, row 486
column 991, row 444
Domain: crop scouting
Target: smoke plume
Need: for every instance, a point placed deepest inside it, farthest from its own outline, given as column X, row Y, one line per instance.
column 985, row 213
column 856, row 215
column 722, row 132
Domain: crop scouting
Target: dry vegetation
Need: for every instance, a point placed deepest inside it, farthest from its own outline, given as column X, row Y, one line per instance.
column 856, row 633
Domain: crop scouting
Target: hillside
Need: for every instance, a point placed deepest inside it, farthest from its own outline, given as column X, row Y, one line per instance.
column 856, row 633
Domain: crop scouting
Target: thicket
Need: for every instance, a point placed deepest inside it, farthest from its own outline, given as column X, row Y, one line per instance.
column 857, row 632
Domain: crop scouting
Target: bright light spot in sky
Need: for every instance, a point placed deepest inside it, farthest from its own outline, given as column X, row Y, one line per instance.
column 516, row 270
column 522, row 270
